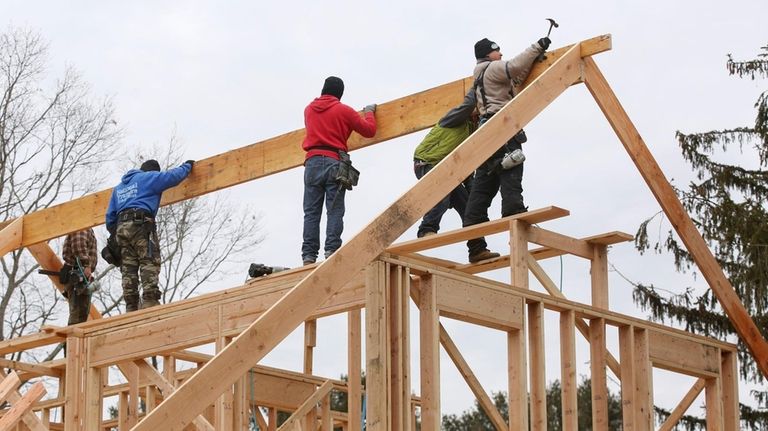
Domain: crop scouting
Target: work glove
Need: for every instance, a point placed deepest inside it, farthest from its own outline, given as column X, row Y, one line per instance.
column 191, row 163
column 544, row 43
column 370, row 108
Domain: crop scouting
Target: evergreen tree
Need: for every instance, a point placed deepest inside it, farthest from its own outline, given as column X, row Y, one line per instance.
column 727, row 202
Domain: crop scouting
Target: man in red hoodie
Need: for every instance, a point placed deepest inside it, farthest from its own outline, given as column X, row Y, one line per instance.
column 329, row 124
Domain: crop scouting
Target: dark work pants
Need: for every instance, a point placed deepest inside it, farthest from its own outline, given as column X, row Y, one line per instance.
column 457, row 200
column 487, row 182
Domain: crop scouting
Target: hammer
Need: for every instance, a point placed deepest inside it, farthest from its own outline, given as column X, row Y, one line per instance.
column 552, row 23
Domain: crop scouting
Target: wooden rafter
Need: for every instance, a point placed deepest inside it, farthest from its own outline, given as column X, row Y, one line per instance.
column 678, row 217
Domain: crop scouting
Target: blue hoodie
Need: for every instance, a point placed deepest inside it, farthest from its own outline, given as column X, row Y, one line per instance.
column 143, row 190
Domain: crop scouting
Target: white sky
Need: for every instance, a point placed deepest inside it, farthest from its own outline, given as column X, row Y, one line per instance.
column 227, row 74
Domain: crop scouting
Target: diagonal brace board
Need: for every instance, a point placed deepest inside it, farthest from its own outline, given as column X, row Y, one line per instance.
column 395, row 118
column 285, row 315
column 677, row 215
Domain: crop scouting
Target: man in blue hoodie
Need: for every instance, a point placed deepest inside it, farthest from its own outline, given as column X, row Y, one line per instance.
column 131, row 218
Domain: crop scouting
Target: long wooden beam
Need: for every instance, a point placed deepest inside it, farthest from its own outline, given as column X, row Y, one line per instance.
column 669, row 202
column 285, row 315
column 395, row 118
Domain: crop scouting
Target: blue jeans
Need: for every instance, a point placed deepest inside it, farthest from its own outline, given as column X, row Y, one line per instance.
column 457, row 200
column 320, row 184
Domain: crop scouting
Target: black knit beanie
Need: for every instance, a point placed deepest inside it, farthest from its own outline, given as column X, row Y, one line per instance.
column 150, row 165
column 483, row 47
column 333, row 86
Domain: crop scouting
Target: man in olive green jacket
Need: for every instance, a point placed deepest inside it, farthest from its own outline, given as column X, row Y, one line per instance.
column 444, row 137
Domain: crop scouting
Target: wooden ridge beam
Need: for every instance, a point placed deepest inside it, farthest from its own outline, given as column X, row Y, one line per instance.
column 395, row 118
column 175, row 412
column 676, row 213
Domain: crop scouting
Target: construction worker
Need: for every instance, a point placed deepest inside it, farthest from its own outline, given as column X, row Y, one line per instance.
column 329, row 123
column 447, row 134
column 494, row 87
column 131, row 218
column 80, row 255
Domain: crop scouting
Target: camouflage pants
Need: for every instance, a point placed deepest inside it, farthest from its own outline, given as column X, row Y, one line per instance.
column 79, row 303
column 140, row 257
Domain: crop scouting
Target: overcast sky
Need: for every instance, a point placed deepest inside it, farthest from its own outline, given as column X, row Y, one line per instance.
column 221, row 75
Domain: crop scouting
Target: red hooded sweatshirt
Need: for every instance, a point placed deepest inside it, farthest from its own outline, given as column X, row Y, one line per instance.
column 329, row 124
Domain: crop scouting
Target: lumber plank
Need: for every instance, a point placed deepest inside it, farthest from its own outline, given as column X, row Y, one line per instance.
column 540, row 253
column 599, row 276
column 559, row 241
column 597, row 367
column 376, row 348
column 11, row 236
column 395, row 118
column 644, row 415
column 683, row 356
column 286, row 314
column 518, row 251
column 627, row 355
column 429, row 335
column 9, row 384
column 461, row 301
column 30, row 419
column 517, row 381
column 536, row 355
column 730, row 386
column 714, row 403
column 678, row 217
column 569, row 400
column 19, row 408
column 31, row 369
column 474, row 384
column 395, row 340
column 354, row 358
column 483, row 229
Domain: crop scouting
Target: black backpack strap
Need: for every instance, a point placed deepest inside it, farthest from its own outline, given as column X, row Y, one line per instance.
column 479, row 85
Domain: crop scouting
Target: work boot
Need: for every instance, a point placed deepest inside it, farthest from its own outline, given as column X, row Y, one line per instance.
column 481, row 255
column 427, row 233
column 147, row 303
column 308, row 262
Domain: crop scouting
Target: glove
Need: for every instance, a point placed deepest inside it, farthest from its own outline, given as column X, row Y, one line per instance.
column 544, row 43
column 191, row 163
column 370, row 108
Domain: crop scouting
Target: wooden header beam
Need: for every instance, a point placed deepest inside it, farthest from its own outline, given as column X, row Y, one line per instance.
column 395, row 118
column 285, row 315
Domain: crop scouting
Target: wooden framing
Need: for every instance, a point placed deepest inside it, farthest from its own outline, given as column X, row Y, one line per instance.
column 371, row 273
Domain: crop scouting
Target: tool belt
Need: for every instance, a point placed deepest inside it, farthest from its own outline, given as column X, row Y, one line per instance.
column 134, row 215
column 418, row 163
column 347, row 176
